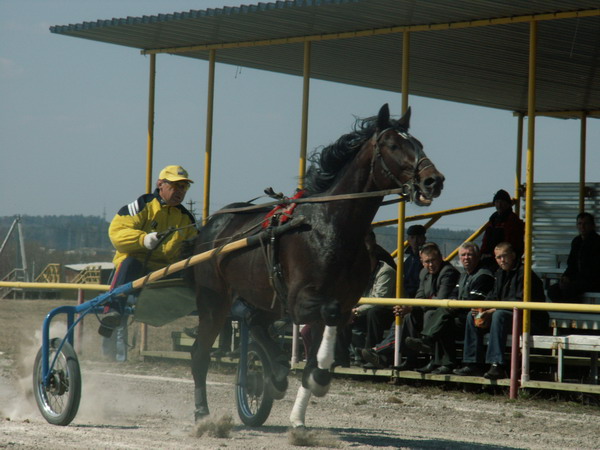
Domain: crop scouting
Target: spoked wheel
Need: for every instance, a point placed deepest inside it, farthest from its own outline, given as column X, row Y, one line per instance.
column 252, row 395
column 59, row 400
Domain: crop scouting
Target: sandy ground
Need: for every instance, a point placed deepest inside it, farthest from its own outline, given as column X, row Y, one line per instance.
column 139, row 404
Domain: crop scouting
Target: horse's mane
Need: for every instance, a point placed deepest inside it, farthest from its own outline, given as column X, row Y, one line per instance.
column 326, row 164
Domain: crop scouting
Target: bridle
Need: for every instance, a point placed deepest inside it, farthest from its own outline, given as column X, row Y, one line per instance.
column 410, row 187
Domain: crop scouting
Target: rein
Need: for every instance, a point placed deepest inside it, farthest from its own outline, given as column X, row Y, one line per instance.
column 329, row 198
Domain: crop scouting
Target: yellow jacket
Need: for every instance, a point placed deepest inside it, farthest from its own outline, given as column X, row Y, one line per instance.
column 145, row 215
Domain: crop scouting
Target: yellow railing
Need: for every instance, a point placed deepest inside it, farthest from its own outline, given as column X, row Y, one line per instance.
column 24, row 285
column 445, row 303
column 433, row 217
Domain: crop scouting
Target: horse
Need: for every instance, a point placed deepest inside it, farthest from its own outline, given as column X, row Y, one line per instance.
column 318, row 270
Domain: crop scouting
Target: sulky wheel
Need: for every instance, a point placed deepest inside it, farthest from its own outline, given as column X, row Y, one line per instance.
column 252, row 395
column 59, row 400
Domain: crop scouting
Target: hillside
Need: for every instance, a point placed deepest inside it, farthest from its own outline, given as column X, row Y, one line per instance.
column 80, row 239
column 447, row 239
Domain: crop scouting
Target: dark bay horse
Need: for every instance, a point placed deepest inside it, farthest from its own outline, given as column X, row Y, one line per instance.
column 323, row 265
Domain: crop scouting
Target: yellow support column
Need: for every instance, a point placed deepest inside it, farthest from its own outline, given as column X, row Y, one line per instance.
column 302, row 163
column 402, row 205
column 150, row 144
column 149, row 162
column 582, row 161
column 305, row 99
column 519, row 165
column 531, row 107
column 209, row 133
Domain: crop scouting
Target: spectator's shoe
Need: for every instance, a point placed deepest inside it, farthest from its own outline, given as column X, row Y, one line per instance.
column 428, row 368
column 372, row 357
column 407, row 365
column 108, row 322
column 496, row 372
column 191, row 332
column 470, row 370
column 422, row 345
column 219, row 353
column 442, row 370
column 344, row 363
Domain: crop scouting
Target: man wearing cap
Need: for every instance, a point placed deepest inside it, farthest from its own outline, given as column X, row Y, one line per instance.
column 503, row 226
column 142, row 235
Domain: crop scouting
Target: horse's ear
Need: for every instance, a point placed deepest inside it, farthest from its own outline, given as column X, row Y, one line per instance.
column 404, row 121
column 383, row 117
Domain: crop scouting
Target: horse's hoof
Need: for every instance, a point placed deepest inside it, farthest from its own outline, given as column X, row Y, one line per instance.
column 277, row 390
column 319, row 382
column 277, row 387
column 200, row 413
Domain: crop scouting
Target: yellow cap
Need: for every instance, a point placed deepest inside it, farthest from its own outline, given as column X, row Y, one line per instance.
column 174, row 173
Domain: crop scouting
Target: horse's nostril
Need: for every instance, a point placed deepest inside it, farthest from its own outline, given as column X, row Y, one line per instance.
column 429, row 181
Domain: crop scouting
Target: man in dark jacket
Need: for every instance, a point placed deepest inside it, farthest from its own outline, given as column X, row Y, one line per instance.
column 508, row 286
column 583, row 266
column 444, row 325
column 503, row 226
column 437, row 280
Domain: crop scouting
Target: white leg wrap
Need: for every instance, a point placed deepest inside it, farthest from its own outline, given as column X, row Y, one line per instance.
column 326, row 349
column 299, row 410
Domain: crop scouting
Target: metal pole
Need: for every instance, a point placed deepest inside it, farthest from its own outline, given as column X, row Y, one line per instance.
column 305, row 102
column 531, row 106
column 302, row 164
column 10, row 230
column 79, row 341
column 582, row 161
column 149, row 162
column 401, row 205
column 22, row 249
column 519, row 165
column 150, row 145
column 514, row 354
column 209, row 134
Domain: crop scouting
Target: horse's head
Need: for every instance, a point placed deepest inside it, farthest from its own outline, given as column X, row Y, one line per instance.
column 399, row 160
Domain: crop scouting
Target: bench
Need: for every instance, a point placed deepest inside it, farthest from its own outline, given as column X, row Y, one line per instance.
column 574, row 342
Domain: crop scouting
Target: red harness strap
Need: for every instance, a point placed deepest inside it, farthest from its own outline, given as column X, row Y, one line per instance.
column 282, row 213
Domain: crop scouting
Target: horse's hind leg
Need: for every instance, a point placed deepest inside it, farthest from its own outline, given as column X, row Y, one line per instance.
column 212, row 312
column 200, row 364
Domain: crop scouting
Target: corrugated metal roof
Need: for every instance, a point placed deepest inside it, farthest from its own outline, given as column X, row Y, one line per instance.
column 483, row 65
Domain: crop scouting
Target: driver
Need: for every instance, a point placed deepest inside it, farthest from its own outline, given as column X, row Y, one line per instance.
column 140, row 233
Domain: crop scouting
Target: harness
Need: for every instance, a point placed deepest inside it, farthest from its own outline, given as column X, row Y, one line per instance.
column 283, row 209
column 408, row 188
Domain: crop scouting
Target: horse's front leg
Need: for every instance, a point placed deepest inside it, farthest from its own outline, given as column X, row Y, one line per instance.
column 317, row 377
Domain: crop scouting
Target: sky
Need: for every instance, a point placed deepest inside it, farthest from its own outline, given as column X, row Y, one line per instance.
column 73, row 123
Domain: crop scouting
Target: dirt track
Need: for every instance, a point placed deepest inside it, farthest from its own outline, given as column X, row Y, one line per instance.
column 150, row 405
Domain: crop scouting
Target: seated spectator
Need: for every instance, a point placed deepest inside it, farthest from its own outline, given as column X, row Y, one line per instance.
column 443, row 326
column 503, row 226
column 583, row 265
column 436, row 280
column 372, row 321
column 508, row 286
